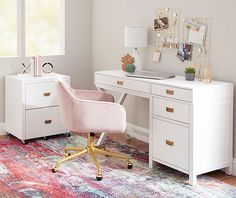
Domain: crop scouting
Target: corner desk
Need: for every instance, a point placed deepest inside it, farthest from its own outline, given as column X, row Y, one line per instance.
column 190, row 122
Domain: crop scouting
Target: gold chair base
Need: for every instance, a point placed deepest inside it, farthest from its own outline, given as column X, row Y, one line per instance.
column 92, row 150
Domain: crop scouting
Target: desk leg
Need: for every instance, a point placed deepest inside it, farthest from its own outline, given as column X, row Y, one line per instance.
column 151, row 162
column 192, row 150
column 100, row 89
column 122, row 98
column 120, row 101
column 229, row 169
column 192, row 179
column 101, row 139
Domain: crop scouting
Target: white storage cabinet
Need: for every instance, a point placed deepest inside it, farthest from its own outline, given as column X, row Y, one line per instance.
column 31, row 107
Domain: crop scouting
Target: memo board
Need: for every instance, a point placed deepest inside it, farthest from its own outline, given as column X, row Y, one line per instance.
column 200, row 53
column 167, row 39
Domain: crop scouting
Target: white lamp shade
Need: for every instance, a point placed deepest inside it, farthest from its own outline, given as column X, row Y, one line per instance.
column 135, row 37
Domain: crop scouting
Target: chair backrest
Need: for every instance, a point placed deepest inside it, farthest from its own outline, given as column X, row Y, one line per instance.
column 66, row 101
column 81, row 115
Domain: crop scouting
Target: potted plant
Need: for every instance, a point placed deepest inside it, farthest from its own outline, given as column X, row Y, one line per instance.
column 190, row 73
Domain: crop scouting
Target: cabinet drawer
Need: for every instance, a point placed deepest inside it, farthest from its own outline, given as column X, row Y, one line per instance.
column 172, row 109
column 123, row 83
column 43, row 122
column 170, row 143
column 40, row 95
column 172, row 92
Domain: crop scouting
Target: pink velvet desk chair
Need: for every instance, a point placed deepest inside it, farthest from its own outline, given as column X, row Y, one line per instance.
column 89, row 112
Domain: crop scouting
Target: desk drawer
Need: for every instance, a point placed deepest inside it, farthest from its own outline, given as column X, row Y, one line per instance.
column 172, row 109
column 43, row 122
column 123, row 83
column 172, row 92
column 40, row 95
column 170, row 143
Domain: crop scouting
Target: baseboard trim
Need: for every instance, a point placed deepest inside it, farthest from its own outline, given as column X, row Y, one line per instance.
column 2, row 131
column 138, row 132
column 234, row 167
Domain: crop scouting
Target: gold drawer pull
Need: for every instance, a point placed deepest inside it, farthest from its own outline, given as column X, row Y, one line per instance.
column 170, row 110
column 48, row 121
column 170, row 143
column 170, row 92
column 119, row 82
column 46, row 94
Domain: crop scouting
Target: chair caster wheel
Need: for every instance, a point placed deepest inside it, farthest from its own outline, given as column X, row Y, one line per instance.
column 130, row 165
column 67, row 134
column 67, row 154
column 54, row 170
column 99, row 176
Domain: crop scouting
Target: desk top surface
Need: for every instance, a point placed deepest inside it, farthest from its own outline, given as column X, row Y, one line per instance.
column 176, row 81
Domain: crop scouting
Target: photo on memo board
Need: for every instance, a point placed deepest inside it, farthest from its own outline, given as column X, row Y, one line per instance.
column 184, row 52
column 196, row 34
column 161, row 23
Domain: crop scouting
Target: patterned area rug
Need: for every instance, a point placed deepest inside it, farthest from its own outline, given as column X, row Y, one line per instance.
column 25, row 171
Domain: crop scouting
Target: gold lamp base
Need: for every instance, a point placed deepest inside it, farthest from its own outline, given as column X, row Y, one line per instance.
column 92, row 150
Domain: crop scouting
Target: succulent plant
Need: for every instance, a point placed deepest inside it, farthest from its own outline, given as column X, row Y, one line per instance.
column 190, row 70
column 130, row 68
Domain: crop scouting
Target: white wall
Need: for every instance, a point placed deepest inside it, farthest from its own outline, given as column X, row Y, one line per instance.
column 76, row 61
column 109, row 17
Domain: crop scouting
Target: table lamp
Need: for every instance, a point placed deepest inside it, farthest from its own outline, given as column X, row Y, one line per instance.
column 136, row 37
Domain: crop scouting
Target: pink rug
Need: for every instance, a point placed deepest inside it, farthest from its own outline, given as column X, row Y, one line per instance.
column 25, row 171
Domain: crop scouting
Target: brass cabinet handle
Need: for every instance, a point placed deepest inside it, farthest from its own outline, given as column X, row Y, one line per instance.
column 170, row 92
column 48, row 121
column 170, row 110
column 119, row 82
column 46, row 94
column 170, row 143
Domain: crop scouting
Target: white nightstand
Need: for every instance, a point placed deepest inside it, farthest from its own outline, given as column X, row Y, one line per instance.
column 31, row 107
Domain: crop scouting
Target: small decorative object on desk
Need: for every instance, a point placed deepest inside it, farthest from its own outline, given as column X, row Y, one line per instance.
column 26, row 69
column 47, row 67
column 130, row 68
column 126, row 59
column 37, row 68
column 190, row 73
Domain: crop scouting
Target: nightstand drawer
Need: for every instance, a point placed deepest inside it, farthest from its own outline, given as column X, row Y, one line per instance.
column 172, row 92
column 170, row 143
column 171, row 109
column 40, row 95
column 130, row 84
column 43, row 122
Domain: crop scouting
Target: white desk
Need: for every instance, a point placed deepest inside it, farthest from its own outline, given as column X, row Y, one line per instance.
column 190, row 123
